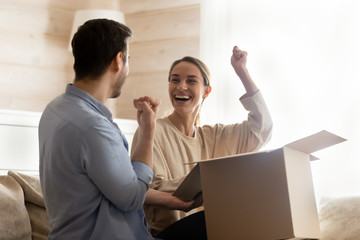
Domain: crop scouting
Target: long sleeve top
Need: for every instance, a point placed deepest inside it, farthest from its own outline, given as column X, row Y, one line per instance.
column 91, row 188
column 172, row 150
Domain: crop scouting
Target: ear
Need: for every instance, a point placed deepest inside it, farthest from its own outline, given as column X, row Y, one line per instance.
column 117, row 61
column 207, row 91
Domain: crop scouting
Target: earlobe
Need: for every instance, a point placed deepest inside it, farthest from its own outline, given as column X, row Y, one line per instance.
column 207, row 92
column 118, row 61
column 119, row 58
column 119, row 55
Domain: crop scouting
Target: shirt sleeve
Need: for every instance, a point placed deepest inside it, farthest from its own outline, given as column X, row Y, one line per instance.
column 161, row 171
column 247, row 136
column 108, row 165
column 161, row 168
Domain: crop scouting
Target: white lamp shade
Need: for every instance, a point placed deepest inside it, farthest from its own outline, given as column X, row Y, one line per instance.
column 82, row 16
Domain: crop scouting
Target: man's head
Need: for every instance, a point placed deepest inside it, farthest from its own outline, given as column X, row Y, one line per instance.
column 95, row 45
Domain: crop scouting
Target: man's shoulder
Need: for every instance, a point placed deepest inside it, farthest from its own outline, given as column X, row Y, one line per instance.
column 78, row 114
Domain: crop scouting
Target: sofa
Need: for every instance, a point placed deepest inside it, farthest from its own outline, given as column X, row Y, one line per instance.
column 340, row 218
column 23, row 214
column 22, row 209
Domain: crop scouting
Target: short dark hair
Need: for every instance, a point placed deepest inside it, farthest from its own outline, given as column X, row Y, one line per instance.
column 95, row 45
column 205, row 73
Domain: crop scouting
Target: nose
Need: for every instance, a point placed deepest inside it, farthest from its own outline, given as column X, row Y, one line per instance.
column 182, row 85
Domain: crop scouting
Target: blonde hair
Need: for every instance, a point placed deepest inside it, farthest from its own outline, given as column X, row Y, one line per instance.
column 205, row 73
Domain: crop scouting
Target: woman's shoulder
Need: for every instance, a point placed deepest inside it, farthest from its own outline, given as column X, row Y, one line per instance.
column 212, row 127
column 162, row 122
column 165, row 129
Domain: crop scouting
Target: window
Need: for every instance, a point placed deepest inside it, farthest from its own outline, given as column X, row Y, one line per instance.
column 305, row 58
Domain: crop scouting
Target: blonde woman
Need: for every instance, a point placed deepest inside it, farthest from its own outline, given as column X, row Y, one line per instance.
column 179, row 139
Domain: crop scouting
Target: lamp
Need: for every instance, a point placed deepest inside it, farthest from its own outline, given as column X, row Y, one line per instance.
column 81, row 16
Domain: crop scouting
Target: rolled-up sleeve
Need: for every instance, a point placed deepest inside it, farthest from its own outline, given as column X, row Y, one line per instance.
column 246, row 136
column 143, row 172
column 259, row 119
column 107, row 163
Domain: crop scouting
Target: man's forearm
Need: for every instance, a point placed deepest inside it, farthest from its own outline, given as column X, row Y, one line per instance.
column 144, row 148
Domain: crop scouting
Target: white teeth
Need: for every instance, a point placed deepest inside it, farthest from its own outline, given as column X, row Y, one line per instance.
column 182, row 97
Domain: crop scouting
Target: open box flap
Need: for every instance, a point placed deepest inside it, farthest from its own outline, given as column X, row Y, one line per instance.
column 315, row 142
column 191, row 185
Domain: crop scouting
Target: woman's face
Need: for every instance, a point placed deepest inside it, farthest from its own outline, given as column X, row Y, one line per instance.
column 186, row 88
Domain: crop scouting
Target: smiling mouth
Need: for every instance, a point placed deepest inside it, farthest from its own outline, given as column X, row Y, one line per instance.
column 182, row 98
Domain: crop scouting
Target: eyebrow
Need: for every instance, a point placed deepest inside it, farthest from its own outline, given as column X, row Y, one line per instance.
column 194, row 76
column 191, row 76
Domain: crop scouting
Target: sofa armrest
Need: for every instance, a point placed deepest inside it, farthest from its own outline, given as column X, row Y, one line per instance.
column 14, row 220
column 34, row 203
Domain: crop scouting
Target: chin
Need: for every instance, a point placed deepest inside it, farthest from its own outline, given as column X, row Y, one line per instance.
column 116, row 94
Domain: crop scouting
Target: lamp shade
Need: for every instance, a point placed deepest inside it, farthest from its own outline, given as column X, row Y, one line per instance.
column 82, row 16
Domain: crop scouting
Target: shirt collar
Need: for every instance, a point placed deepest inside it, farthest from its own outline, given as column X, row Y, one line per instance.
column 71, row 90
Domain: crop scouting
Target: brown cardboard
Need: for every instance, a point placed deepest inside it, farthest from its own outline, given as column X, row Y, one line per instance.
column 191, row 186
column 263, row 195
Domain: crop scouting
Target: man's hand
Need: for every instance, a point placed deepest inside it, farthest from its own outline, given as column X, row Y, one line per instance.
column 147, row 109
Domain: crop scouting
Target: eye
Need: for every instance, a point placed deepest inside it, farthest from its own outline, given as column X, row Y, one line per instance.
column 192, row 81
column 174, row 80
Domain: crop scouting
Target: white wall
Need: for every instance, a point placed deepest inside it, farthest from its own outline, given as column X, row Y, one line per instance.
column 19, row 146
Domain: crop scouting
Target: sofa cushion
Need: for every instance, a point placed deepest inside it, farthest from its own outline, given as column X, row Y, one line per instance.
column 39, row 221
column 14, row 220
column 339, row 218
column 34, row 203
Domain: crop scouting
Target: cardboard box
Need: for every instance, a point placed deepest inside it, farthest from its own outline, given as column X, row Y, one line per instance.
column 264, row 195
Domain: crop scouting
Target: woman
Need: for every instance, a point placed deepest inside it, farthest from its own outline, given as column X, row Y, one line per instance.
column 179, row 140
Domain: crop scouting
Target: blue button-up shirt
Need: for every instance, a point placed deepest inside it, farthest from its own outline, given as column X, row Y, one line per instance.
column 91, row 188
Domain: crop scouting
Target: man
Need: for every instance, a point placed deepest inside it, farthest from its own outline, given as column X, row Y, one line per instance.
column 92, row 190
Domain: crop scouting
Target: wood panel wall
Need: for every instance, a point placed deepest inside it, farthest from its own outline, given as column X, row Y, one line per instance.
column 35, row 64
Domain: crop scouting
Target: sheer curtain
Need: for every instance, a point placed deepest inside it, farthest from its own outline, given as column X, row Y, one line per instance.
column 305, row 58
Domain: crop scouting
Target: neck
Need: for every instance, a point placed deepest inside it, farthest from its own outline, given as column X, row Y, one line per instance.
column 184, row 123
column 95, row 87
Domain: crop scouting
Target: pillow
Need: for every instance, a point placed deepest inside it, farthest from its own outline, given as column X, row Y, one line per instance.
column 14, row 220
column 34, row 203
column 39, row 221
column 340, row 218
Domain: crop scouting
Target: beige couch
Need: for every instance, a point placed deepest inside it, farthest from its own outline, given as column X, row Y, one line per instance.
column 23, row 214
column 22, row 210
column 340, row 218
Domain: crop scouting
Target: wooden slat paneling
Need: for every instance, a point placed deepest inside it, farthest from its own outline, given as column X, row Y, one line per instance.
column 163, row 32
column 21, row 103
column 30, row 88
column 153, row 84
column 27, row 17
column 72, row 5
column 21, row 48
column 35, row 64
column 131, row 6
column 170, row 24
column 141, row 84
column 157, row 56
column 125, row 110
